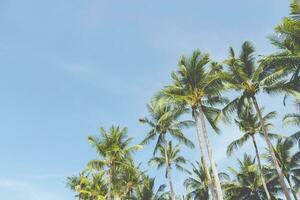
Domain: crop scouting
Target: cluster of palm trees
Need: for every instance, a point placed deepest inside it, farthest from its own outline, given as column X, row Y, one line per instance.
column 197, row 98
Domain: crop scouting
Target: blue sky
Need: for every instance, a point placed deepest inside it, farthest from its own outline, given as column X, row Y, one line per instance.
column 68, row 67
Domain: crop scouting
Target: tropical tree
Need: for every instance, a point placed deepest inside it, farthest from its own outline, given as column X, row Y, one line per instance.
column 114, row 151
column 197, row 183
column 244, row 76
column 248, row 122
column 198, row 88
column 289, row 163
column 88, row 186
column 128, row 180
column 247, row 184
column 165, row 120
column 287, row 39
column 173, row 160
column 146, row 191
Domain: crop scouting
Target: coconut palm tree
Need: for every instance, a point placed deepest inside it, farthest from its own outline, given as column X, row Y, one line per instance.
column 173, row 160
column 248, row 122
column 146, row 190
column 289, row 163
column 88, row 186
column 114, row 151
column 197, row 184
column 198, row 88
column 247, row 184
column 128, row 180
column 165, row 120
column 246, row 77
column 287, row 39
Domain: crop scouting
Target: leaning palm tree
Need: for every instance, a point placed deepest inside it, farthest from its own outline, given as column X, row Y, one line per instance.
column 197, row 184
column 114, row 151
column 289, row 163
column 246, row 77
column 198, row 88
column 246, row 183
column 146, row 190
column 165, row 120
column 248, row 122
column 173, row 160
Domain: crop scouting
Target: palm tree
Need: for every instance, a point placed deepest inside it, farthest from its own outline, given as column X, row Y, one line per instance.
column 146, row 190
column 248, row 122
column 88, row 186
column 113, row 148
column 128, row 180
column 246, row 183
column 169, row 157
column 165, row 119
column 199, row 89
column 289, row 163
column 245, row 77
column 197, row 184
column 287, row 39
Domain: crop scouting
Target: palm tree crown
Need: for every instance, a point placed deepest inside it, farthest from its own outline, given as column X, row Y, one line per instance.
column 197, row 184
column 246, row 183
column 249, row 124
column 165, row 118
column 174, row 159
column 113, row 148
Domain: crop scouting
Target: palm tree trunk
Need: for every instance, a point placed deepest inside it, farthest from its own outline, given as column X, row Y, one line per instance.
column 260, row 169
column 291, row 187
column 168, row 169
column 109, row 197
column 210, row 183
column 270, row 147
column 210, row 156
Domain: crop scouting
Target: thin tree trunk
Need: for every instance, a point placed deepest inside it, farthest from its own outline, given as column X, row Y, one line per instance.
column 109, row 184
column 109, row 197
column 260, row 169
column 130, row 193
column 210, row 156
column 210, row 183
column 168, row 170
column 270, row 147
column 291, row 187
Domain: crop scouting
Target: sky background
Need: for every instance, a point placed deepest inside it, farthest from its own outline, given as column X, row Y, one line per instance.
column 69, row 67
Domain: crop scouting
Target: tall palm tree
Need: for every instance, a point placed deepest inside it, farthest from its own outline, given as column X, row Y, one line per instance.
column 165, row 120
column 289, row 163
column 146, row 190
column 248, row 122
column 114, row 151
column 246, row 77
column 199, row 88
column 247, row 184
column 173, row 160
column 197, row 184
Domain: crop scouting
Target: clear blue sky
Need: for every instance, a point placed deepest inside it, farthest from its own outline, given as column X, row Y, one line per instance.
column 68, row 67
